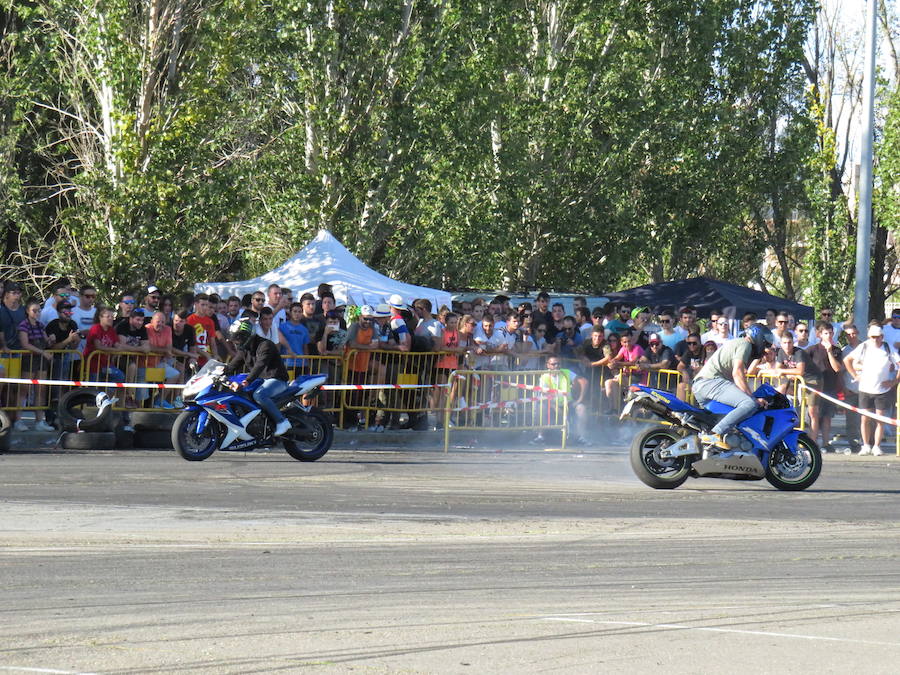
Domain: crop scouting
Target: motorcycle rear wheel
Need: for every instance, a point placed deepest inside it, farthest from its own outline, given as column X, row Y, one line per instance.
column 188, row 443
column 653, row 470
column 787, row 471
column 310, row 436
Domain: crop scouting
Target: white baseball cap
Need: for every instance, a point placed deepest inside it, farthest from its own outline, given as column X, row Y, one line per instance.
column 875, row 331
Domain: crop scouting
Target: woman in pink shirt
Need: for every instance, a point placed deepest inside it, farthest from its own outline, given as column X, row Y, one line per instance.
column 622, row 364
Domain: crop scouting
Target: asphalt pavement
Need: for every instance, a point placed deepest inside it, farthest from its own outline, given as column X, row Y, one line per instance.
column 494, row 557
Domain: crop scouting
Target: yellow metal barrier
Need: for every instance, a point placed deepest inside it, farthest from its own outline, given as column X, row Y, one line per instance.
column 384, row 406
column 138, row 367
column 789, row 385
column 22, row 363
column 333, row 366
column 498, row 399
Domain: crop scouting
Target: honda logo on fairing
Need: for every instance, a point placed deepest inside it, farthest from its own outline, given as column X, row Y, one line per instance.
column 736, row 467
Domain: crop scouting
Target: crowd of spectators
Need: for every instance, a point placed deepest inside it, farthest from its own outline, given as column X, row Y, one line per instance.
column 597, row 345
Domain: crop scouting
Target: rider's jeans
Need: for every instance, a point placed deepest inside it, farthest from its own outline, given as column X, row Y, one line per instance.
column 724, row 391
column 263, row 396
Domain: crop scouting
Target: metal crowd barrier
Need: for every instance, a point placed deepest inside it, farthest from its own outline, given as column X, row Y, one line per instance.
column 333, row 366
column 364, row 367
column 384, row 406
column 21, row 363
column 503, row 399
column 134, row 367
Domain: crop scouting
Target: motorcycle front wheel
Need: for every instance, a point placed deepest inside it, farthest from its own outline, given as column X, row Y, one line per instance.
column 653, row 470
column 789, row 471
column 191, row 445
column 310, row 436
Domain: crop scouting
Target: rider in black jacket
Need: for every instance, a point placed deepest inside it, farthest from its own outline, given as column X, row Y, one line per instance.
column 260, row 358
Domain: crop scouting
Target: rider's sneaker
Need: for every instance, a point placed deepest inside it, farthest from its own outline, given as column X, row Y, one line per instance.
column 876, row 451
column 282, row 428
column 714, row 440
column 43, row 426
column 865, row 450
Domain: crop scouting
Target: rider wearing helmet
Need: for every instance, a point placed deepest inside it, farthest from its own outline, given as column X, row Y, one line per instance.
column 260, row 358
column 723, row 379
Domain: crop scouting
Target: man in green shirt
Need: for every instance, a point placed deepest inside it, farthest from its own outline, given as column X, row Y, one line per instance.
column 570, row 385
column 723, row 379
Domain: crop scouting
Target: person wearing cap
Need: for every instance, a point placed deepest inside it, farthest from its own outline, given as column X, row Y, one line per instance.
column 657, row 357
column 399, row 331
column 874, row 365
column 151, row 301
column 641, row 328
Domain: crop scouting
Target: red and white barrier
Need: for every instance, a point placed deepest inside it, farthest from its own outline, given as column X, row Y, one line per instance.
column 162, row 385
column 865, row 413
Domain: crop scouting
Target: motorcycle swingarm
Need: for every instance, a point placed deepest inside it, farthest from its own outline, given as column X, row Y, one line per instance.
column 683, row 448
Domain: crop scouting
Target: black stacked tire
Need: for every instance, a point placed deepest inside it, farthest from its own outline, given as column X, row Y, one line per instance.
column 124, row 438
column 5, row 431
column 153, row 429
column 153, row 439
column 88, row 440
column 77, row 411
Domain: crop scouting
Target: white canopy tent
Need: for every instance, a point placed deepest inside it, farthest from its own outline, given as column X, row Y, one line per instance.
column 326, row 260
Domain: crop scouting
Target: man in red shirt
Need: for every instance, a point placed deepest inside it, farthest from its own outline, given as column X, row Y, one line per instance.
column 204, row 327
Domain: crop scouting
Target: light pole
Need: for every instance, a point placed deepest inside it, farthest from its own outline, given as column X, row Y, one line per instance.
column 864, row 217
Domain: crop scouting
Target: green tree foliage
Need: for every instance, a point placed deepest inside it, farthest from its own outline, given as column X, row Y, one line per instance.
column 564, row 143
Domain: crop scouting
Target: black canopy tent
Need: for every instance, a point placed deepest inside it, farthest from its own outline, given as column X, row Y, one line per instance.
column 708, row 294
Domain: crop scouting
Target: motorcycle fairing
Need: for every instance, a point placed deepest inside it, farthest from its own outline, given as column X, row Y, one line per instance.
column 669, row 399
column 765, row 429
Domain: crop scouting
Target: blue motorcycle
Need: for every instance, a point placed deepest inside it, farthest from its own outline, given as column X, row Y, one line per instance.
column 216, row 418
column 767, row 445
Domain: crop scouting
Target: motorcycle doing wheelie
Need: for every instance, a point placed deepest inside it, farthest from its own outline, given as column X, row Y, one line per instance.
column 216, row 418
column 766, row 445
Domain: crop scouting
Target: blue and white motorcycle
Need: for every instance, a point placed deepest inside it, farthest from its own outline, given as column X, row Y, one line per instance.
column 217, row 418
column 767, row 445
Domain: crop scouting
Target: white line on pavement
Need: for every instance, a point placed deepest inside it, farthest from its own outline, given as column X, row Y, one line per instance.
column 710, row 629
column 18, row 669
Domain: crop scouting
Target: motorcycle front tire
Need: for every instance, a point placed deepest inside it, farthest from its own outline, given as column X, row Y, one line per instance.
column 190, row 445
column 649, row 467
column 790, row 472
column 317, row 431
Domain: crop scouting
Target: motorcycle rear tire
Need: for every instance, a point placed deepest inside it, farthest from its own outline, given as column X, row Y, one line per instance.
column 780, row 458
column 183, row 437
column 318, row 426
column 652, row 470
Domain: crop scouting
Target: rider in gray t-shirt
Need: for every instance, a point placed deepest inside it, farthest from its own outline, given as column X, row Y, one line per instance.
column 723, row 379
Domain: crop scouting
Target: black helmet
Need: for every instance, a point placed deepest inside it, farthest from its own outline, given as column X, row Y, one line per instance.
column 760, row 337
column 240, row 332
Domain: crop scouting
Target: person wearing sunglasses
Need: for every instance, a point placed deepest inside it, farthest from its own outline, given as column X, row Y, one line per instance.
column 61, row 293
column 126, row 306
column 892, row 331
column 804, row 340
column 84, row 314
column 689, row 363
column 781, row 326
